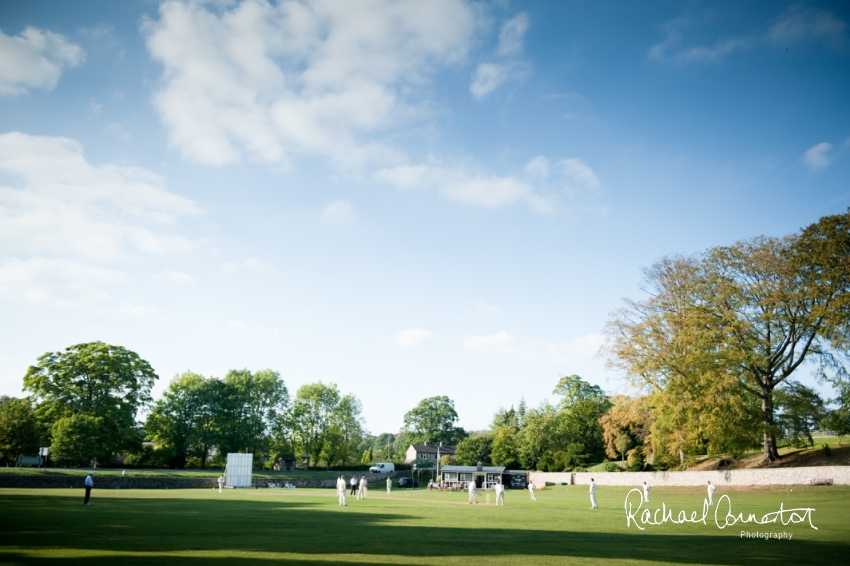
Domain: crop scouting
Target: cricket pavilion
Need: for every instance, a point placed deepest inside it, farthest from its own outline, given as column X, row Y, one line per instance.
column 485, row 477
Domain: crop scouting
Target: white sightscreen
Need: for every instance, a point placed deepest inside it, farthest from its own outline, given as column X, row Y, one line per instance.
column 238, row 471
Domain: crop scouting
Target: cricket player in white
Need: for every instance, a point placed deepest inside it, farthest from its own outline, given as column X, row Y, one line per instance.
column 472, row 493
column 500, row 494
column 645, row 492
column 389, row 485
column 710, row 494
column 531, row 490
column 361, row 491
column 340, row 490
column 220, row 483
column 592, row 494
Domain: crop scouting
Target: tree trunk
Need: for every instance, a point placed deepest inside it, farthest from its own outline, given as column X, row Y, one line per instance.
column 771, row 454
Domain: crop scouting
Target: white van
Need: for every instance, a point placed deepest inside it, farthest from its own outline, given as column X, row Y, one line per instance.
column 382, row 468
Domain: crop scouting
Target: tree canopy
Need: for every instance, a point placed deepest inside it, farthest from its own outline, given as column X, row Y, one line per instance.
column 107, row 383
column 720, row 331
column 433, row 421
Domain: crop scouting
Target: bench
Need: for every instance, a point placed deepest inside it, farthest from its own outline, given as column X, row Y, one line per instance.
column 821, row 481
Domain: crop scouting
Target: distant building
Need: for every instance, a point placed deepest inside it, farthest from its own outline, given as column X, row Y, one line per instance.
column 483, row 476
column 425, row 455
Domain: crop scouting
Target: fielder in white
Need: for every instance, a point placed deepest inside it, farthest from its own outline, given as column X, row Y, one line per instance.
column 500, row 494
column 710, row 494
column 531, row 490
column 592, row 494
column 472, row 493
column 646, row 492
column 389, row 485
column 340, row 490
column 361, row 491
column 220, row 483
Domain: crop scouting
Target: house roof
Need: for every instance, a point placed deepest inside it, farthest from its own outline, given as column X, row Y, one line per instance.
column 469, row 469
column 431, row 449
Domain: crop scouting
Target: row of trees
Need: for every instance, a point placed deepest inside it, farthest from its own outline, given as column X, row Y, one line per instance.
column 84, row 402
column 713, row 350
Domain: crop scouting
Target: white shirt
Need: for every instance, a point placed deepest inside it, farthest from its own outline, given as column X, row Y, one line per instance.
column 340, row 484
column 592, row 488
column 353, row 482
column 89, row 482
column 472, row 487
column 710, row 489
column 531, row 486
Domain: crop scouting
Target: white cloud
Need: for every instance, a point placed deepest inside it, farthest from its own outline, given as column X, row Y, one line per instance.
column 135, row 311
column 512, row 34
column 580, row 349
column 95, row 108
column 798, row 24
column 35, row 59
column 579, row 174
column 818, row 157
column 338, row 212
column 489, row 76
column 65, row 215
column 669, row 50
column 538, row 167
column 65, row 205
column 485, row 307
column 806, row 24
column 488, row 191
column 269, row 80
column 250, row 265
column 58, row 282
column 175, row 277
column 413, row 337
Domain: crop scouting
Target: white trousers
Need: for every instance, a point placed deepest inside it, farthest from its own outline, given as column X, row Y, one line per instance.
column 341, row 493
column 710, row 499
column 388, row 490
column 472, row 497
column 593, row 500
column 646, row 495
column 500, row 498
column 361, row 493
column 531, row 492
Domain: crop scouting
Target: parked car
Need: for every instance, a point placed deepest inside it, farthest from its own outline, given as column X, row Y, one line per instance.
column 382, row 468
column 407, row 482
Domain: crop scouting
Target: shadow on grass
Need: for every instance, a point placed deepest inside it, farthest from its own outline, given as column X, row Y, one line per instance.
column 163, row 525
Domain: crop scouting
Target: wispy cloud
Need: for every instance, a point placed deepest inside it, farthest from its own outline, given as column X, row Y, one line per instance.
column 818, row 157
column 338, row 212
column 524, row 348
column 798, row 24
column 486, row 307
column 457, row 184
column 35, row 59
column 413, row 337
column 488, row 76
column 250, row 265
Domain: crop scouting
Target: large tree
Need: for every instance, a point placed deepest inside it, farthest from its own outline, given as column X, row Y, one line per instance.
column 104, row 382
column 738, row 321
column 18, row 429
column 327, row 425
column 433, row 420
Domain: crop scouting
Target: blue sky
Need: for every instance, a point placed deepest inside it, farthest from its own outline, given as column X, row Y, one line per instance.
column 407, row 199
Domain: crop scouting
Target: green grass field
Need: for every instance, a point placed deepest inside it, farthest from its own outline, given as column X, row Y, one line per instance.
column 419, row 527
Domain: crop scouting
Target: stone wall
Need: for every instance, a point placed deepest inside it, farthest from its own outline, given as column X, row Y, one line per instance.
column 840, row 475
column 167, row 482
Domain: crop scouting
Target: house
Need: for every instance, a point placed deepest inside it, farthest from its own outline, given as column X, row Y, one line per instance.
column 483, row 476
column 425, row 455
